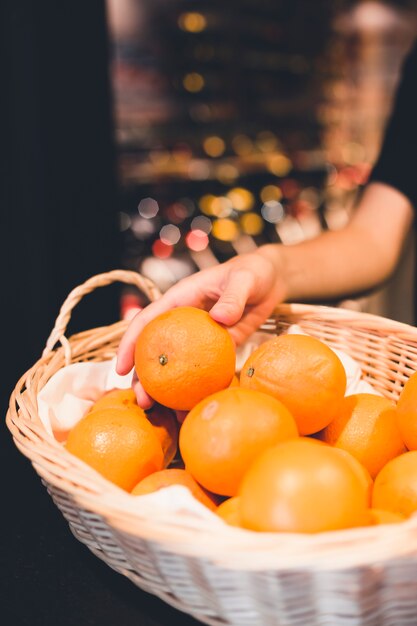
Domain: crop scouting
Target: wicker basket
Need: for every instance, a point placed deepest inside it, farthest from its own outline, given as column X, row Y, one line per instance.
column 365, row 576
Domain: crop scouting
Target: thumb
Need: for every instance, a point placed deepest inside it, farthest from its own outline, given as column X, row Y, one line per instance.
column 230, row 306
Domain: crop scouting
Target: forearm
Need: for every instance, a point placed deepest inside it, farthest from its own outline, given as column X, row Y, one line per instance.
column 325, row 268
column 352, row 260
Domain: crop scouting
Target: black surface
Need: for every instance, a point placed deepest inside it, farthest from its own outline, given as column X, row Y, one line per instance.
column 49, row 577
column 58, row 227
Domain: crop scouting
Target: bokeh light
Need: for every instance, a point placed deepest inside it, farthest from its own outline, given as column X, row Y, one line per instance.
column 227, row 173
column 197, row 240
column 214, row 146
column 290, row 188
column 161, row 250
column 201, row 223
column 125, row 221
column 266, row 141
column 170, row 234
column 148, row 208
column 198, row 169
column 177, row 212
column 192, row 22
column 142, row 228
column 225, row 229
column 279, row 164
column 205, row 203
column 242, row 145
column 251, row 223
column 221, row 207
column 270, row 192
column 193, row 82
column 310, row 195
column 272, row 211
column 241, row 199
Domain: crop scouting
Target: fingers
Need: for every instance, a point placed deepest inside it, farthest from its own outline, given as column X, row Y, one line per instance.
column 188, row 292
column 231, row 304
column 126, row 350
column 143, row 399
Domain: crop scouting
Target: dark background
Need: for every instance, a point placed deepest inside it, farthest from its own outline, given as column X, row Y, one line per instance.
column 58, row 227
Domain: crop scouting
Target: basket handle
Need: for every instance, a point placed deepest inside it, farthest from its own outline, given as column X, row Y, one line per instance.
column 100, row 280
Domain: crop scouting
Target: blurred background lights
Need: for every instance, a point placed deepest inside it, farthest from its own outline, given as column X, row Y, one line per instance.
column 251, row 223
column 165, row 272
column 266, row 141
column 170, row 234
column 272, row 211
column 201, row 223
column 205, row 203
column 269, row 126
column 159, row 157
column 193, row 82
column 279, row 164
column 221, row 207
column 192, row 22
column 125, row 221
column 242, row 145
column 227, row 173
column 242, row 199
column 225, row 229
column 197, row 240
column 270, row 192
column 290, row 188
column 312, row 196
column 142, row 228
column 161, row 249
column 177, row 212
column 181, row 152
column 214, row 146
column 148, row 207
column 198, row 169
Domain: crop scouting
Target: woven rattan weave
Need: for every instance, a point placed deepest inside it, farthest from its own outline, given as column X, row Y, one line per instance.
column 361, row 577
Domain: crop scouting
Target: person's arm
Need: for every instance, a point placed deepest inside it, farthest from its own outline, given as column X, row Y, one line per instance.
column 242, row 292
column 351, row 260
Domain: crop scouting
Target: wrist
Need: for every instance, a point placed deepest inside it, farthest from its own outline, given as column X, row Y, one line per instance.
column 274, row 254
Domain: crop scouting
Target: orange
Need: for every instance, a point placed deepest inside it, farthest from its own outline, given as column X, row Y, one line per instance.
column 366, row 426
column 115, row 398
column 407, row 412
column 300, row 486
column 379, row 516
column 303, row 373
column 182, row 356
column 225, row 432
column 168, row 477
column 119, row 443
column 163, row 420
column 360, row 469
column 235, row 381
column 229, row 511
column 395, row 487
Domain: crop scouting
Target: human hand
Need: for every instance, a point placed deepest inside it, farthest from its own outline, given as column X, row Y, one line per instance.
column 240, row 294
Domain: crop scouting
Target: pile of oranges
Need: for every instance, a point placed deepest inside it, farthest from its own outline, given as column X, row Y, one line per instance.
column 279, row 449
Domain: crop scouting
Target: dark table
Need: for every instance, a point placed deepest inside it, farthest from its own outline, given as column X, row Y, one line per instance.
column 48, row 577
